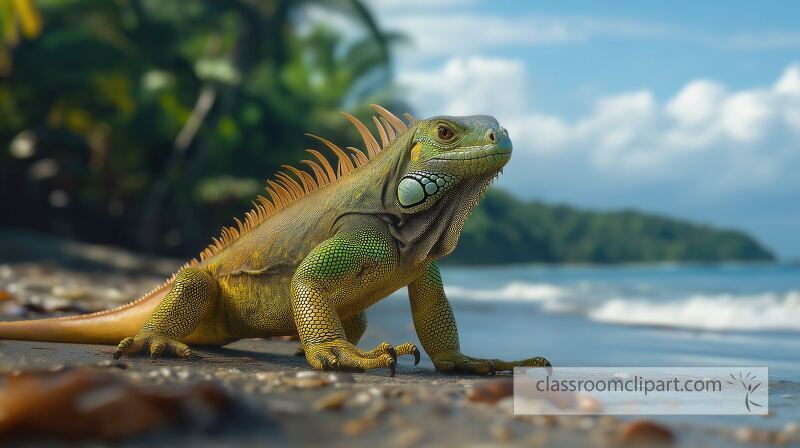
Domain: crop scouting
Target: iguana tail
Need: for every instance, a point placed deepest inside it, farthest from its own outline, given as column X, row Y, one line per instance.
column 103, row 327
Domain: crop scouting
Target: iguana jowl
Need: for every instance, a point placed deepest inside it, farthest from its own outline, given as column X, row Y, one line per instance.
column 326, row 245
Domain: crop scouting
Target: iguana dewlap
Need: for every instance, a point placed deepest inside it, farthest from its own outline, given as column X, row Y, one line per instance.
column 328, row 243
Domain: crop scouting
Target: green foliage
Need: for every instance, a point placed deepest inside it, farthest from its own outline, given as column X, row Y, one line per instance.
column 505, row 230
column 131, row 120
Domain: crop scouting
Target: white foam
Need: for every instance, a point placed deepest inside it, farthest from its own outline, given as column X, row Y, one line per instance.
column 767, row 311
column 515, row 291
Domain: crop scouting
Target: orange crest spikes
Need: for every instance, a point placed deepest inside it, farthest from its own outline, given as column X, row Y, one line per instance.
column 286, row 188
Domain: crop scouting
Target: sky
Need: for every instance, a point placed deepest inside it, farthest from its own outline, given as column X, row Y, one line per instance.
column 690, row 109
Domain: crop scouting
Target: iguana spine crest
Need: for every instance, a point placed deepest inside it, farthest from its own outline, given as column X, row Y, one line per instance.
column 285, row 189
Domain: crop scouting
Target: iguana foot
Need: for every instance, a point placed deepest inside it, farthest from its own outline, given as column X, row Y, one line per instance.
column 458, row 362
column 403, row 349
column 342, row 355
column 156, row 344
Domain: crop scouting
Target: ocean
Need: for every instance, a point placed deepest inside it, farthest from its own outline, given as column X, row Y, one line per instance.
column 649, row 315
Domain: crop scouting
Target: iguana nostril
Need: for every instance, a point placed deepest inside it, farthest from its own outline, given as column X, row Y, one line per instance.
column 491, row 136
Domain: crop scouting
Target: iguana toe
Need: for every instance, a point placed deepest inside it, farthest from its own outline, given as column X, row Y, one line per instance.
column 153, row 343
column 408, row 349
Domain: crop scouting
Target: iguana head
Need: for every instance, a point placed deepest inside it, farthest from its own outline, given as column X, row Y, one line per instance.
column 439, row 169
column 451, row 153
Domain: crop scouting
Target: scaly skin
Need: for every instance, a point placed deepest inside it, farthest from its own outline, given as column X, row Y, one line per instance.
column 314, row 266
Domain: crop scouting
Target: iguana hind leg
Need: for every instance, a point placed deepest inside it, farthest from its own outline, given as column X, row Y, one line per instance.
column 188, row 302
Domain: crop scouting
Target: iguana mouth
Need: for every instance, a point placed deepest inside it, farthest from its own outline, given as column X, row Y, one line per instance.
column 480, row 153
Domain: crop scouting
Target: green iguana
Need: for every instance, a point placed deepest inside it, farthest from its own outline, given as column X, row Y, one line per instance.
column 326, row 245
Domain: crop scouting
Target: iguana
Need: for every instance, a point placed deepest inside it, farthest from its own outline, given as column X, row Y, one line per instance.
column 327, row 244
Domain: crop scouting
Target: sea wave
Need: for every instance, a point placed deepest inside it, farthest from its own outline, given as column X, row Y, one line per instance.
column 767, row 311
column 718, row 312
column 514, row 291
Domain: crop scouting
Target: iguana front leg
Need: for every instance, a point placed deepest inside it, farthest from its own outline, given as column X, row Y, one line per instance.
column 355, row 326
column 436, row 329
column 331, row 275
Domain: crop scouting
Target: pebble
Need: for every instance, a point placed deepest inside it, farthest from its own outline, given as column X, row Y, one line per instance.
column 364, row 397
column 162, row 372
column 70, row 292
column 545, row 420
column 377, row 409
column 645, row 432
column 6, row 296
column 341, row 378
column 747, row 434
column 334, row 401
column 491, row 391
column 357, row 426
column 589, row 404
column 112, row 363
column 271, row 378
column 311, row 383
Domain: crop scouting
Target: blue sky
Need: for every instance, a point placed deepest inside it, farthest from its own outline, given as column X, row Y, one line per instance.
column 690, row 109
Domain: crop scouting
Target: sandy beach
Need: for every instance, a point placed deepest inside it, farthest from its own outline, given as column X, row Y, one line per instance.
column 273, row 397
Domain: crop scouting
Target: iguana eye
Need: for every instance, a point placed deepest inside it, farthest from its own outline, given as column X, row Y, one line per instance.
column 445, row 132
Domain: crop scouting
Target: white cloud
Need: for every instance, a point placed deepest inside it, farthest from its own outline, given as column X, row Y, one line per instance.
column 466, row 86
column 789, row 83
column 697, row 103
column 745, row 115
column 704, row 141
